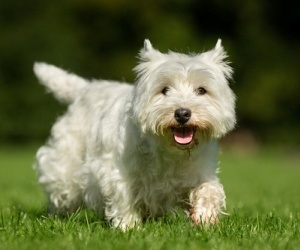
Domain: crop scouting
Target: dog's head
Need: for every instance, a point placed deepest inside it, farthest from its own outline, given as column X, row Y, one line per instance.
column 185, row 98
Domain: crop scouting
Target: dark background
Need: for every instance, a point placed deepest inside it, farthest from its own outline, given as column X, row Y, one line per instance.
column 101, row 39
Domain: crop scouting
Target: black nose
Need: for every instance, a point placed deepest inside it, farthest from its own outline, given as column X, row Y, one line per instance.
column 182, row 115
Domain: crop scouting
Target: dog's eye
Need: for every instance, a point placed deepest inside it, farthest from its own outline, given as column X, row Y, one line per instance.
column 201, row 91
column 165, row 90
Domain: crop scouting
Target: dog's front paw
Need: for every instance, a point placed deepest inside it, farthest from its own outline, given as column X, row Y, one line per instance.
column 207, row 202
column 203, row 216
column 126, row 223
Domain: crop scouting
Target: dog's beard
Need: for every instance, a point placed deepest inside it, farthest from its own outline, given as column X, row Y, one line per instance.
column 199, row 129
column 189, row 136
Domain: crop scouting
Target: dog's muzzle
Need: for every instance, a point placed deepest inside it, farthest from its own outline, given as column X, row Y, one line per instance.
column 183, row 134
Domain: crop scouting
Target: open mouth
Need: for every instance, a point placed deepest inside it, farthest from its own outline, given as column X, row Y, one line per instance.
column 184, row 135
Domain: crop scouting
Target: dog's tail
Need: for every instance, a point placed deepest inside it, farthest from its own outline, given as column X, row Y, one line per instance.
column 65, row 86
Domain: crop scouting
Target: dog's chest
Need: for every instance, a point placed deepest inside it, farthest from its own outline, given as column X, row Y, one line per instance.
column 159, row 189
column 158, row 180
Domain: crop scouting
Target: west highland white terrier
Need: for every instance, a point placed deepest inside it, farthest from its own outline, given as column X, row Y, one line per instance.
column 132, row 152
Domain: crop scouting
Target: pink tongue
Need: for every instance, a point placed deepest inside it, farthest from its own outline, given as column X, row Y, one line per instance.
column 183, row 135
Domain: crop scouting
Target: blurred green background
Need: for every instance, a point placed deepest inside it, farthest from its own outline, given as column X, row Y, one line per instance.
column 101, row 39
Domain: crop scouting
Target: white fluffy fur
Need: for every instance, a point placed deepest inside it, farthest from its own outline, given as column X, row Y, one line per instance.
column 114, row 150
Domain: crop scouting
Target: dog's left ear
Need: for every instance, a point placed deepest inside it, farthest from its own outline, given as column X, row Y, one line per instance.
column 147, row 45
column 218, row 56
column 148, row 53
column 218, row 44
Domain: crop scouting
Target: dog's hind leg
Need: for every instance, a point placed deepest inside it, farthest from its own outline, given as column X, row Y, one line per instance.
column 57, row 164
column 105, row 191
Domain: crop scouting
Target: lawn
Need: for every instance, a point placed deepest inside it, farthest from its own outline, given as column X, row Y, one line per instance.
column 263, row 200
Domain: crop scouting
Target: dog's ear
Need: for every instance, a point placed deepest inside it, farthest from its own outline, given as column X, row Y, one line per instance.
column 219, row 44
column 147, row 45
column 218, row 56
column 148, row 53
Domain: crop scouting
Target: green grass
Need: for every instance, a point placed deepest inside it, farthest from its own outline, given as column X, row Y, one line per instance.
column 262, row 199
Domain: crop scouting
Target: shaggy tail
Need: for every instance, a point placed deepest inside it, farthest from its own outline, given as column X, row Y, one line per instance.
column 65, row 86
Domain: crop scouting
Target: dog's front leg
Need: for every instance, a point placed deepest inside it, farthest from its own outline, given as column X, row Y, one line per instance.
column 122, row 216
column 127, row 222
column 207, row 202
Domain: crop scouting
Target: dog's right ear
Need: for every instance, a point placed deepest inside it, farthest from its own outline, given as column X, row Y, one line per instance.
column 148, row 53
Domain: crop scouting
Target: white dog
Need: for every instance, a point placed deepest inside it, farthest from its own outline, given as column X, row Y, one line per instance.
column 132, row 152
